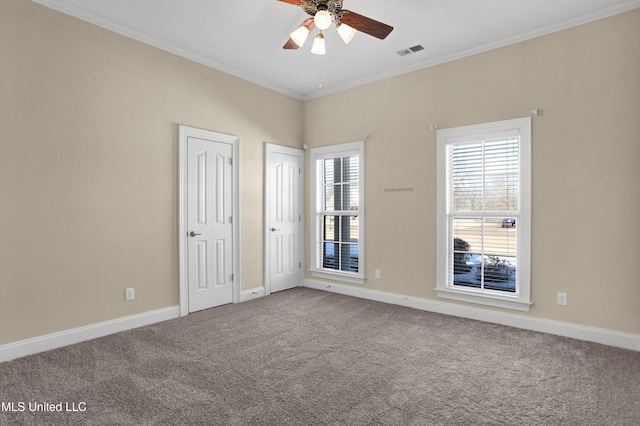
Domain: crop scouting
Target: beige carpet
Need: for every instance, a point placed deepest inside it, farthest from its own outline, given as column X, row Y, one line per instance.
column 307, row 357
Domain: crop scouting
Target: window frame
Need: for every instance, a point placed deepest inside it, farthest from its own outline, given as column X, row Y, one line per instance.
column 521, row 298
column 316, row 212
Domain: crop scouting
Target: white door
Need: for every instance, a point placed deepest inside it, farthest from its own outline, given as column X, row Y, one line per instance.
column 283, row 222
column 209, row 217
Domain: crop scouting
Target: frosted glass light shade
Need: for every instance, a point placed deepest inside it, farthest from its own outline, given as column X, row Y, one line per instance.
column 322, row 20
column 300, row 35
column 346, row 32
column 318, row 45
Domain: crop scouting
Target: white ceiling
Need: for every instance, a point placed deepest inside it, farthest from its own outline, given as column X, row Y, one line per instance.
column 245, row 37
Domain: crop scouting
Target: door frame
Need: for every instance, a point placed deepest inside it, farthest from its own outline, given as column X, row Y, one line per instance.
column 184, row 133
column 269, row 149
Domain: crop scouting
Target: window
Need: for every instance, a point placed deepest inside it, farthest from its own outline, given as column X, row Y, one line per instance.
column 337, row 199
column 484, row 181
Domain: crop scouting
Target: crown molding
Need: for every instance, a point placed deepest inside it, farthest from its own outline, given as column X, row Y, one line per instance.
column 83, row 14
column 574, row 21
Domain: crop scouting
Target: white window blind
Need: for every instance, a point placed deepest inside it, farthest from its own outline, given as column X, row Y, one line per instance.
column 339, row 217
column 483, row 214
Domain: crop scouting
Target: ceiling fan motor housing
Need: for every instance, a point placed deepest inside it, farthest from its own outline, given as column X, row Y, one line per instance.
column 313, row 6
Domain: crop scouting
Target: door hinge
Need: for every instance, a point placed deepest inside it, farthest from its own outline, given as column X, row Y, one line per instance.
column 231, row 161
column 231, row 277
column 230, row 219
column 299, row 265
column 299, row 170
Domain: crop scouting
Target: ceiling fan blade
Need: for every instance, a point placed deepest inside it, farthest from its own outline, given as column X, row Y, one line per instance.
column 290, row 44
column 366, row 25
column 296, row 2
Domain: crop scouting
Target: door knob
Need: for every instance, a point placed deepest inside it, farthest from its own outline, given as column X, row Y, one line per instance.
column 193, row 234
column 274, row 229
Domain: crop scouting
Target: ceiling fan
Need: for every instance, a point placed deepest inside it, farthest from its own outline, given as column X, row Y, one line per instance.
column 326, row 12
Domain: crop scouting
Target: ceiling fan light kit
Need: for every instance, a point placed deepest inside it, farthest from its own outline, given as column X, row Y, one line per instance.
column 326, row 12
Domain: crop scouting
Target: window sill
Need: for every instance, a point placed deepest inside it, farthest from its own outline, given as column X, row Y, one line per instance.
column 484, row 299
column 349, row 278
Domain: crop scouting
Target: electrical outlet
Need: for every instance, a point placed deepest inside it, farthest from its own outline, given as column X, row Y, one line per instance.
column 377, row 273
column 129, row 294
column 562, row 299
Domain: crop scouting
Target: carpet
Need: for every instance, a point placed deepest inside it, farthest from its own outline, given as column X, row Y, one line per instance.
column 308, row 357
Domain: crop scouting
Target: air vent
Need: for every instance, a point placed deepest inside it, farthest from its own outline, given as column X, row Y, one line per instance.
column 410, row 50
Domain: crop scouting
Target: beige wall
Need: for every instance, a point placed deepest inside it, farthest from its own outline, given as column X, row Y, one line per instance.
column 586, row 164
column 89, row 168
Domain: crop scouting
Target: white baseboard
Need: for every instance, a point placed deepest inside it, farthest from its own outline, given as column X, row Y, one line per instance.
column 47, row 342
column 591, row 334
column 68, row 337
column 76, row 335
column 251, row 294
